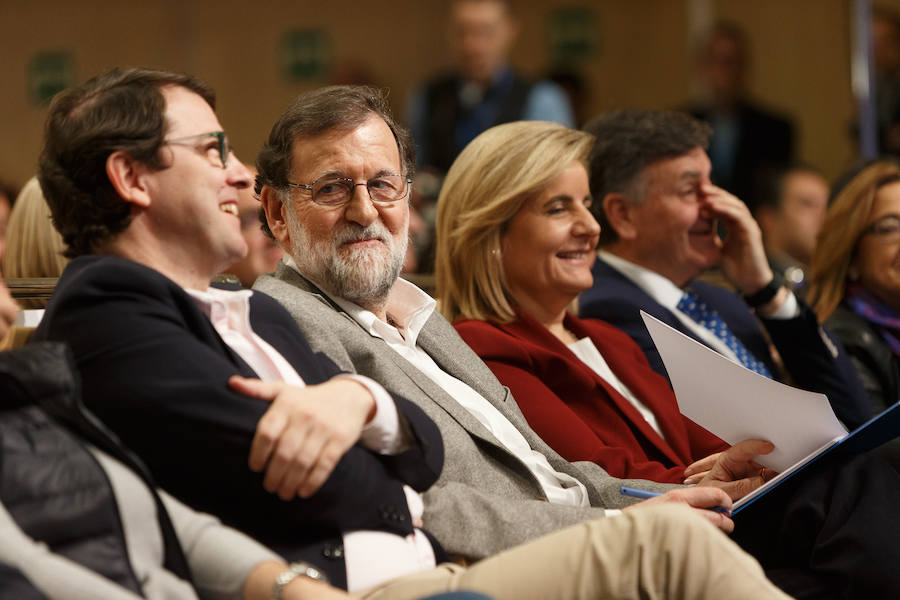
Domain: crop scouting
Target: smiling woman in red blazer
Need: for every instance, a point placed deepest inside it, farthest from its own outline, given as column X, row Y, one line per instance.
column 515, row 246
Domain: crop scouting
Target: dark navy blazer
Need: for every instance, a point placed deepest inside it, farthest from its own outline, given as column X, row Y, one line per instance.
column 801, row 342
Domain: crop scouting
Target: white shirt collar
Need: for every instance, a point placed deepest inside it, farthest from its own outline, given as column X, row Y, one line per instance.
column 216, row 303
column 668, row 294
column 408, row 308
column 659, row 288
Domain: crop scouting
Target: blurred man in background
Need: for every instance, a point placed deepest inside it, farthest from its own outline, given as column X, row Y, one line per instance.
column 263, row 253
column 747, row 139
column 790, row 213
column 447, row 112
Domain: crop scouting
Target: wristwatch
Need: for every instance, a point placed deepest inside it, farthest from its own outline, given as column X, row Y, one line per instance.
column 294, row 570
column 768, row 291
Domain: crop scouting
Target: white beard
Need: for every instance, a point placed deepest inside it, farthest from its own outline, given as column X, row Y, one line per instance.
column 362, row 275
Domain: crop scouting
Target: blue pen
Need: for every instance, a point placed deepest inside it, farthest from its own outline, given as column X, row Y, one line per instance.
column 644, row 494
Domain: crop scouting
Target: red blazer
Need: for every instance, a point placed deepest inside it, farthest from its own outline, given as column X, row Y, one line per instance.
column 580, row 415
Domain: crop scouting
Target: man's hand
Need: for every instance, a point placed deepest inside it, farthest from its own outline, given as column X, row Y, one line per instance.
column 697, row 470
column 305, row 432
column 733, row 470
column 744, row 261
column 700, row 499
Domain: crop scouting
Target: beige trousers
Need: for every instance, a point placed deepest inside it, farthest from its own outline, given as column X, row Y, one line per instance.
column 655, row 552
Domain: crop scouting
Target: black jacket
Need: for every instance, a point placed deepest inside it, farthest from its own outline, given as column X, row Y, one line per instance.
column 51, row 485
column 155, row 371
column 812, row 359
column 444, row 111
column 878, row 368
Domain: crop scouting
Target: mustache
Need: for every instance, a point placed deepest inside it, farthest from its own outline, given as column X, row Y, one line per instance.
column 353, row 233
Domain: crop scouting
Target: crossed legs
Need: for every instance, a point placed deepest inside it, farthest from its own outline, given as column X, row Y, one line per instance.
column 654, row 552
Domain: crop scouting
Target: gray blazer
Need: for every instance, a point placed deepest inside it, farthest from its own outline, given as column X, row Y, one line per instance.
column 486, row 499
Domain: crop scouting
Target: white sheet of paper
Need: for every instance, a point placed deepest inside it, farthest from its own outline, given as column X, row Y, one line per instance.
column 737, row 404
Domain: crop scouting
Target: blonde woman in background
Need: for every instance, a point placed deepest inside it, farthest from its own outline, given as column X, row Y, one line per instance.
column 33, row 247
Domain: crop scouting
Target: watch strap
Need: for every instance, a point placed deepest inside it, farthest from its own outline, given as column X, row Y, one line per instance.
column 294, row 570
column 765, row 295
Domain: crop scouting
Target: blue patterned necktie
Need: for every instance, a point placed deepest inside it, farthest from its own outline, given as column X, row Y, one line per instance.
column 691, row 305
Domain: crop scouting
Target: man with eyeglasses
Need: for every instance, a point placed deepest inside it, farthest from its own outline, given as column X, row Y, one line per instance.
column 334, row 184
column 200, row 381
column 195, row 379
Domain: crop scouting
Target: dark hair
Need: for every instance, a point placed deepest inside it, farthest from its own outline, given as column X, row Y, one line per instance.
column 334, row 108
column 122, row 109
column 887, row 15
column 769, row 189
column 628, row 141
column 724, row 29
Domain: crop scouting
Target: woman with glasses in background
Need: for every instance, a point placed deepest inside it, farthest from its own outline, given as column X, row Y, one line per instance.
column 855, row 277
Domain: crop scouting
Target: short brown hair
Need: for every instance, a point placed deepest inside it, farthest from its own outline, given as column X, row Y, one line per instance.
column 629, row 141
column 121, row 110
column 333, row 108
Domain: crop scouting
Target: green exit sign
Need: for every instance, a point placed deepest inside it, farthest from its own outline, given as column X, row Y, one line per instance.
column 573, row 33
column 48, row 74
column 304, row 54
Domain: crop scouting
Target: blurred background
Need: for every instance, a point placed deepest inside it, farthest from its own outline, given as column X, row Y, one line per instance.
column 258, row 56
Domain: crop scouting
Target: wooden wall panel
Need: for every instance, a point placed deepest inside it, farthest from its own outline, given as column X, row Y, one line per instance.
column 644, row 56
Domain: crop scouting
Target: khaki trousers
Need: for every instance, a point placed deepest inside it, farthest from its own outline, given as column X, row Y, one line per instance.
column 655, row 552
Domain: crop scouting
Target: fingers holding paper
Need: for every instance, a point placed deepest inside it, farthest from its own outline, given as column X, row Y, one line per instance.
column 735, row 470
column 697, row 470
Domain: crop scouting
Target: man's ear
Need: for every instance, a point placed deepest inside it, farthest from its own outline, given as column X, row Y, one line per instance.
column 127, row 177
column 620, row 215
column 276, row 216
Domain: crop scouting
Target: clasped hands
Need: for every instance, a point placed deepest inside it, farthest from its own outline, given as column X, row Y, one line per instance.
column 305, row 431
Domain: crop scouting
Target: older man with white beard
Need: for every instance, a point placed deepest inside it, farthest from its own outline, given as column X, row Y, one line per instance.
column 501, row 484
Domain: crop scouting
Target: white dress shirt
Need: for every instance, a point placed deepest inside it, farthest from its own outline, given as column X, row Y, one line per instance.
column 668, row 294
column 408, row 308
column 587, row 353
column 370, row 556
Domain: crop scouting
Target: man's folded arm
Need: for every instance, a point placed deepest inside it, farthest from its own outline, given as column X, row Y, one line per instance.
column 166, row 394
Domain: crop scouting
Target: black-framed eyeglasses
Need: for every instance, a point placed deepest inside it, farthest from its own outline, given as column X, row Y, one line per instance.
column 886, row 229
column 222, row 146
column 337, row 191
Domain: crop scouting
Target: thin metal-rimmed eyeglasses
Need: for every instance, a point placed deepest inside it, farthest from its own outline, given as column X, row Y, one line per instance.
column 886, row 229
column 222, row 146
column 337, row 191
